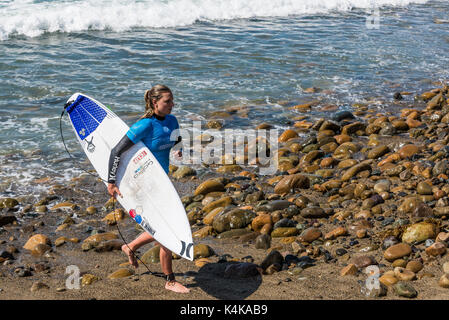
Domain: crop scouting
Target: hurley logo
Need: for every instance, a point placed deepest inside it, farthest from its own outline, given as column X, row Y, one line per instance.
column 90, row 145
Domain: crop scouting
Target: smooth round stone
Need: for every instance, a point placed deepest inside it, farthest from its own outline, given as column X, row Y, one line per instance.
column 444, row 281
column 388, row 279
column 287, row 134
column 350, row 269
column 41, row 209
column 313, row 212
column 424, row 188
column 446, row 267
column 91, row 210
column 347, row 163
column 340, row 252
column 152, row 255
column 404, row 289
column 263, row 242
column 9, row 203
column 292, row 182
column 399, row 263
column 310, row 235
column 351, row 172
column 382, row 186
column 35, row 241
column 408, row 151
column 121, row 273
column 419, row 232
column 274, row 257
column 284, row 232
column 409, row 205
column 436, row 249
column 208, row 186
column 341, row 115
column 295, row 271
column 361, row 233
column 378, row 152
column 285, row 223
column 209, row 218
column 88, row 279
column 363, row 261
column 202, row 251
column 414, row 266
column 38, row 286
column 233, row 233
column 397, row 251
column 203, row 232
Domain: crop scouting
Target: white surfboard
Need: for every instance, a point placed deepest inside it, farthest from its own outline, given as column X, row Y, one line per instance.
column 148, row 194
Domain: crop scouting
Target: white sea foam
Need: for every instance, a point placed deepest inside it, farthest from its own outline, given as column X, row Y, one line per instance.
column 25, row 17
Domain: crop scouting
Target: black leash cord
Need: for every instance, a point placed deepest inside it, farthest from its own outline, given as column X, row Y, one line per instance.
column 97, row 176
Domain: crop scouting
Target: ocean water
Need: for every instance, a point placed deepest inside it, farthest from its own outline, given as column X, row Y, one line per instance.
column 213, row 54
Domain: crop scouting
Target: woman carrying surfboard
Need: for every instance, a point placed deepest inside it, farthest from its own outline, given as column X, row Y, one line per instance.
column 154, row 130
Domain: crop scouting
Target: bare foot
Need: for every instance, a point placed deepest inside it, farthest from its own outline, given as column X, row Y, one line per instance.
column 131, row 256
column 176, row 287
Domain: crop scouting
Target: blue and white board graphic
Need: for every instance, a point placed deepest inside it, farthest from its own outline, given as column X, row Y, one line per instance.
column 148, row 194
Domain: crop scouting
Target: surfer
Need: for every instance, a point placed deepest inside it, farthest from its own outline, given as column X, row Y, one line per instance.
column 153, row 129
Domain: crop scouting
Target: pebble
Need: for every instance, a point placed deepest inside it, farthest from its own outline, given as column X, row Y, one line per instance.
column 363, row 261
column 38, row 286
column 87, row 279
column 446, row 267
column 414, row 266
column 350, row 269
column 397, row 251
column 310, row 234
column 121, row 273
column 337, row 232
column 419, row 232
column 202, row 251
column 408, row 151
column 444, row 281
column 436, row 249
column 34, row 241
column 404, row 289
column 263, row 241
column 388, row 279
column 404, row 274
column 208, row 186
column 183, row 171
column 292, row 182
column 274, row 257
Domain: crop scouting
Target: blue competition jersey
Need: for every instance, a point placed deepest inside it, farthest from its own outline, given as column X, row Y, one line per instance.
column 155, row 134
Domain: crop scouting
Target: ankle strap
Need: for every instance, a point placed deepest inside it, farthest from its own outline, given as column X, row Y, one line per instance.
column 170, row 277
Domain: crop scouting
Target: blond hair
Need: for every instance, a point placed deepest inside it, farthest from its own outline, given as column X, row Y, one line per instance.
column 154, row 93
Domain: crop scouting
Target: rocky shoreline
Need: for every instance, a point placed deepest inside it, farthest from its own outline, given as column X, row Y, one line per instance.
column 357, row 210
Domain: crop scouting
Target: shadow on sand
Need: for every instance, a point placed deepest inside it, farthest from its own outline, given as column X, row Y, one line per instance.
column 228, row 280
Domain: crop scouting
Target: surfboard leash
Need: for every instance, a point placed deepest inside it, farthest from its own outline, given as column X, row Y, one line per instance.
column 97, row 176
column 135, row 255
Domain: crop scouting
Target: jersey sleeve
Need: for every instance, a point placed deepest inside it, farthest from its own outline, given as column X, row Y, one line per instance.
column 139, row 130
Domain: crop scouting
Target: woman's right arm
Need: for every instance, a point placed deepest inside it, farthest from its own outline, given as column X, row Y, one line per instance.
column 114, row 160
